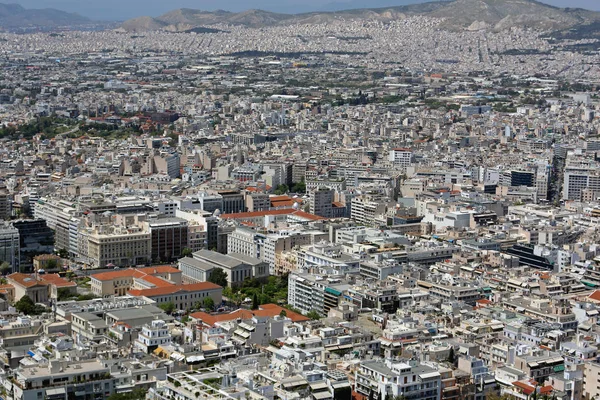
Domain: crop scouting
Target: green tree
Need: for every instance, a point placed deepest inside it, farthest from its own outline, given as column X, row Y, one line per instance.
column 255, row 302
column 186, row 252
column 51, row 265
column 283, row 314
column 281, row 189
column 209, row 303
column 218, row 277
column 26, row 306
column 137, row 394
column 4, row 268
column 62, row 253
column 313, row 315
column 168, row 307
column 451, row 357
column 299, row 187
column 64, row 294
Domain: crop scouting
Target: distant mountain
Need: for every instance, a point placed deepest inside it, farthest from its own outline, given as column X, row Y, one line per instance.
column 457, row 14
column 15, row 17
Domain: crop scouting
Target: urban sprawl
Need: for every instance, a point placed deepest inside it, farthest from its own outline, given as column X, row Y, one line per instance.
column 351, row 211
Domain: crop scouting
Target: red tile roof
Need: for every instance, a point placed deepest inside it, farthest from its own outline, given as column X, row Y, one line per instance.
column 25, row 280
column 265, row 310
column 57, row 280
column 595, row 295
column 31, row 280
column 161, row 291
column 135, row 272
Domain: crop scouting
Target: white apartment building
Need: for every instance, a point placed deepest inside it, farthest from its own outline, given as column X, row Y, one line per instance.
column 401, row 157
column 410, row 380
column 153, row 335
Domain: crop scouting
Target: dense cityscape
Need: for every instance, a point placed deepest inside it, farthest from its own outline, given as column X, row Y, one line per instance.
column 358, row 209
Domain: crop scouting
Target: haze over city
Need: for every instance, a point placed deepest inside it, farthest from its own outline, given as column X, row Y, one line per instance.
column 122, row 10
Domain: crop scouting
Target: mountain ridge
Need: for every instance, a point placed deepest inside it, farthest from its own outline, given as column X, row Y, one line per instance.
column 16, row 17
column 457, row 14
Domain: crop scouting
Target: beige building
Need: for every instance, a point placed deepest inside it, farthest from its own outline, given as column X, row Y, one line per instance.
column 184, row 297
column 120, row 240
column 119, row 282
column 591, row 380
column 39, row 288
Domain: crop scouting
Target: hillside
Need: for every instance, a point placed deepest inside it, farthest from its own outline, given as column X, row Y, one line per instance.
column 457, row 14
column 15, row 17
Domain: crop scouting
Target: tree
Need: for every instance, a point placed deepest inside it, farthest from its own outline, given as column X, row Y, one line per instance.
column 168, row 307
column 64, row 294
column 218, row 277
column 283, row 314
column 313, row 315
column 186, row 252
column 451, row 355
column 26, row 306
column 255, row 302
column 281, row 189
column 299, row 187
column 209, row 303
column 51, row 265
column 137, row 394
column 4, row 268
column 62, row 253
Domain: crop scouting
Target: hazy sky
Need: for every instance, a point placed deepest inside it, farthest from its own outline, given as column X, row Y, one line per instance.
column 124, row 9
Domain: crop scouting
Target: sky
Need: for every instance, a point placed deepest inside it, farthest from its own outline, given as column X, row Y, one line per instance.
column 119, row 10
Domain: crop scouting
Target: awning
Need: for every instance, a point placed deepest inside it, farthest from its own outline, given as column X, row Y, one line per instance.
column 242, row 333
column 318, row 385
column 55, row 391
column 322, row 395
column 177, row 356
column 192, row 359
column 559, row 368
column 428, row 375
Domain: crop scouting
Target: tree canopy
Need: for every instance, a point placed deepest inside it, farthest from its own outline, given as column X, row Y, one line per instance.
column 218, row 277
column 26, row 306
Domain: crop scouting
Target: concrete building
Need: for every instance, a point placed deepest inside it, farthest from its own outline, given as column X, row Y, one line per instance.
column 411, row 380
column 169, row 236
column 10, row 246
column 321, row 201
column 238, row 267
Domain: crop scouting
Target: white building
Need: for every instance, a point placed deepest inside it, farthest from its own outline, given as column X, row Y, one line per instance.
column 153, row 335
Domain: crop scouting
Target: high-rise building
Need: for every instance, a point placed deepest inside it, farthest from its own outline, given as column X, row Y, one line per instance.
column 321, row 202
column 9, row 246
column 169, row 238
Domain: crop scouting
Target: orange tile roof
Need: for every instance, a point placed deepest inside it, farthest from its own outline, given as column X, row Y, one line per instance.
column 57, row 280
column 25, row 280
column 161, row 291
column 265, row 310
column 135, row 272
column 595, row 295
column 156, row 281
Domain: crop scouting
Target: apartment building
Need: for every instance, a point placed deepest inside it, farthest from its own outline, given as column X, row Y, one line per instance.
column 401, row 157
column 579, row 178
column 321, row 202
column 410, row 380
column 308, row 292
